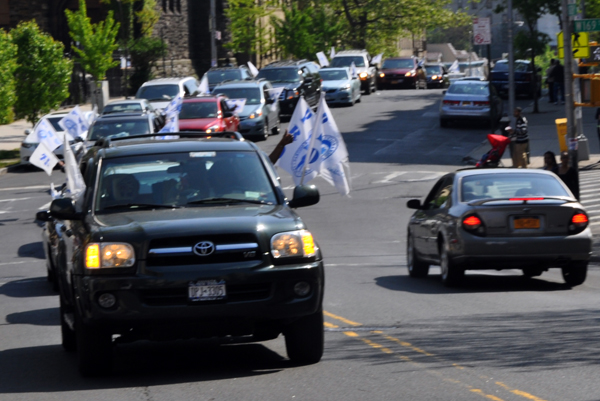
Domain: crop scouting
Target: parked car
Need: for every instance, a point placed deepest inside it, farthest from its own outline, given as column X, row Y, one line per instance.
column 159, row 92
column 207, row 113
column 298, row 78
column 470, row 100
column 367, row 73
column 136, row 106
column 499, row 219
column 218, row 75
column 165, row 246
column 339, row 86
column 401, row 72
column 120, row 125
column 437, row 76
column 524, row 78
column 260, row 116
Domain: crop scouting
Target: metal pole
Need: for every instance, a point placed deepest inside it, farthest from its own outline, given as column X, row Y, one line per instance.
column 162, row 39
column 511, row 67
column 568, row 85
column 212, row 25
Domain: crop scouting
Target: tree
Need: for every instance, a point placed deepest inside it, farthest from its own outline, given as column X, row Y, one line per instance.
column 8, row 61
column 248, row 33
column 43, row 73
column 97, row 42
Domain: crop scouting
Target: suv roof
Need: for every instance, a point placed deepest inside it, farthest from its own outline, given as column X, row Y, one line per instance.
column 245, row 82
column 351, row 52
column 239, row 67
column 162, row 81
column 286, row 63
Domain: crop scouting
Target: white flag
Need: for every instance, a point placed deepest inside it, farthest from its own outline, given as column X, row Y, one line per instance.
column 322, row 59
column 353, row 70
column 44, row 132
column 172, row 117
column 174, row 106
column 334, row 155
column 75, row 123
column 203, row 87
column 274, row 93
column 93, row 115
column 237, row 105
column 377, row 59
column 454, row 67
column 294, row 155
column 253, row 69
column 332, row 53
column 43, row 158
column 75, row 183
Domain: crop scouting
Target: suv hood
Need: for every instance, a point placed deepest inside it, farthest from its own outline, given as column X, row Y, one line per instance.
column 396, row 70
column 160, row 105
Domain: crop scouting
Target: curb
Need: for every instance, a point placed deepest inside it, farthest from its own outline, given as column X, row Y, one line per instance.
column 10, row 169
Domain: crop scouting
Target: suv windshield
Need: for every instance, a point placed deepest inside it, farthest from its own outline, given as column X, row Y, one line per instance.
column 158, row 92
column 190, row 179
column 106, row 129
column 252, row 95
column 216, row 77
column 193, row 110
column 433, row 70
column 346, row 61
column 122, row 108
column 403, row 63
column 334, row 75
column 499, row 186
column 279, row 74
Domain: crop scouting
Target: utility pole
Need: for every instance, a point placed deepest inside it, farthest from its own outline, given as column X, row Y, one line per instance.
column 212, row 25
column 568, row 86
column 511, row 67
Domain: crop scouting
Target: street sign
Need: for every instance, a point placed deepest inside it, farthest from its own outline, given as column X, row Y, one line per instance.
column 580, row 43
column 586, row 25
column 572, row 9
column 482, row 34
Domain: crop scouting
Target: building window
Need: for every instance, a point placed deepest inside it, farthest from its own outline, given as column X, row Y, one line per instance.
column 164, row 5
column 178, row 6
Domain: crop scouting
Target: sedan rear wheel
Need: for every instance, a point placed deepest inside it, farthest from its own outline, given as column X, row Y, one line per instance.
column 416, row 267
column 575, row 273
column 451, row 274
column 266, row 130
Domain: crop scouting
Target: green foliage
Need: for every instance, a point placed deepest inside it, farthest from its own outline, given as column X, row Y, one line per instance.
column 97, row 41
column 43, row 73
column 457, row 35
column 542, row 60
column 144, row 52
column 526, row 41
column 148, row 16
column 247, row 31
column 294, row 33
column 8, row 61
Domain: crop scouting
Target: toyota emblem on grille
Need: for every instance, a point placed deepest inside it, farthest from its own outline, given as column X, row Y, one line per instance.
column 204, row 248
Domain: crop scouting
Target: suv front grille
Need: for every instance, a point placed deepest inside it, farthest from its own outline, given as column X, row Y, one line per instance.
column 282, row 95
column 179, row 251
column 179, row 296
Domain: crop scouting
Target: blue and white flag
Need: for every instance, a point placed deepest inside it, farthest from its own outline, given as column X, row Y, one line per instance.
column 75, row 182
column 236, row 105
column 75, row 123
column 172, row 117
column 203, row 88
column 332, row 53
column 43, row 158
column 322, row 59
column 353, row 72
column 253, row 69
column 274, row 94
column 294, row 155
column 44, row 133
column 174, row 106
column 377, row 59
column 333, row 151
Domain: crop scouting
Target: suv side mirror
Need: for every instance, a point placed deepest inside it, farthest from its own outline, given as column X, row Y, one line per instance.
column 413, row 204
column 269, row 100
column 44, row 215
column 64, row 209
column 305, row 195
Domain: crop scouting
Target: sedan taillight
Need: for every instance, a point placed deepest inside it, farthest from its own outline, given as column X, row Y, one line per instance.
column 578, row 223
column 451, row 102
column 473, row 224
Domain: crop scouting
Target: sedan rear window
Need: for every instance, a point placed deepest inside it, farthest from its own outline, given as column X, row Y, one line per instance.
column 469, row 89
column 500, row 186
column 158, row 92
column 116, row 129
column 192, row 110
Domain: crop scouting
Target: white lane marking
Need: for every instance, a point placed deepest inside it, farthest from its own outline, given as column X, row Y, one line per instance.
column 588, row 191
column 45, row 206
column 390, row 177
column 31, row 187
column 11, row 263
column 14, row 199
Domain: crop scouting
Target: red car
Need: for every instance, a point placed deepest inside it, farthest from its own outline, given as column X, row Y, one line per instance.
column 207, row 113
column 401, row 72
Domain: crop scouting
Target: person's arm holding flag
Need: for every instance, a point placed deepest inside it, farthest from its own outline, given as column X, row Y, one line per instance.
column 286, row 139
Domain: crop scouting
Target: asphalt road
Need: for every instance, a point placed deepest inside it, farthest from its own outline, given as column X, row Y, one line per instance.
column 498, row 336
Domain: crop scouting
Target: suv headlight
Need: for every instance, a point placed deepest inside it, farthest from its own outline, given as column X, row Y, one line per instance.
column 256, row 114
column 345, row 87
column 109, row 254
column 212, row 128
column 363, row 75
column 293, row 244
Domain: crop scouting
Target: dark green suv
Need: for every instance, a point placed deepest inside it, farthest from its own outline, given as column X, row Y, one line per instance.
column 185, row 238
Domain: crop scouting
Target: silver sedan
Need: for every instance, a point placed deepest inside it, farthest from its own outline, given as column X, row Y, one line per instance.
column 499, row 219
column 470, row 100
column 339, row 86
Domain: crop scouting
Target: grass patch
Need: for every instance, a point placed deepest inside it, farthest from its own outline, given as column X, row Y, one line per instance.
column 9, row 154
column 9, row 162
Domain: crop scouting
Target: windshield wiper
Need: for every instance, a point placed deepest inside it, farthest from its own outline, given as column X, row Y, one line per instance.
column 141, row 206
column 227, row 200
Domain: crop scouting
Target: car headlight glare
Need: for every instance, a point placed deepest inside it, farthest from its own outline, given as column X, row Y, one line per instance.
column 212, row 128
column 107, row 255
column 293, row 244
column 382, row 75
column 363, row 75
column 256, row 114
column 345, row 87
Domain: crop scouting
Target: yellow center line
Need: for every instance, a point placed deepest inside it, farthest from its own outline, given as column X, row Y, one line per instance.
column 341, row 319
column 330, row 325
column 488, row 396
column 519, row 392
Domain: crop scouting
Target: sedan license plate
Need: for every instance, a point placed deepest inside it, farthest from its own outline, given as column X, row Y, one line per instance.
column 522, row 223
column 396, row 81
column 209, row 290
column 466, row 103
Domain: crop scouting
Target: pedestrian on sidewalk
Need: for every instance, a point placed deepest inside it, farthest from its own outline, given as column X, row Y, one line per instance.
column 550, row 82
column 598, row 123
column 520, row 139
column 558, row 73
column 550, row 162
column 568, row 174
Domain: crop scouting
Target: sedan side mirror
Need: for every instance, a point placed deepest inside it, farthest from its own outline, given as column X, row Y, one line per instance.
column 269, row 100
column 413, row 204
column 305, row 195
column 64, row 209
column 44, row 215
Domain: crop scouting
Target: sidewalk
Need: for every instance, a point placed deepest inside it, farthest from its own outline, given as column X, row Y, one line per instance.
column 543, row 136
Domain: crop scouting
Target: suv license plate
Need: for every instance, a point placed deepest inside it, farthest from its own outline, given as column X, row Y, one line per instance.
column 526, row 223
column 209, row 290
column 396, row 81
